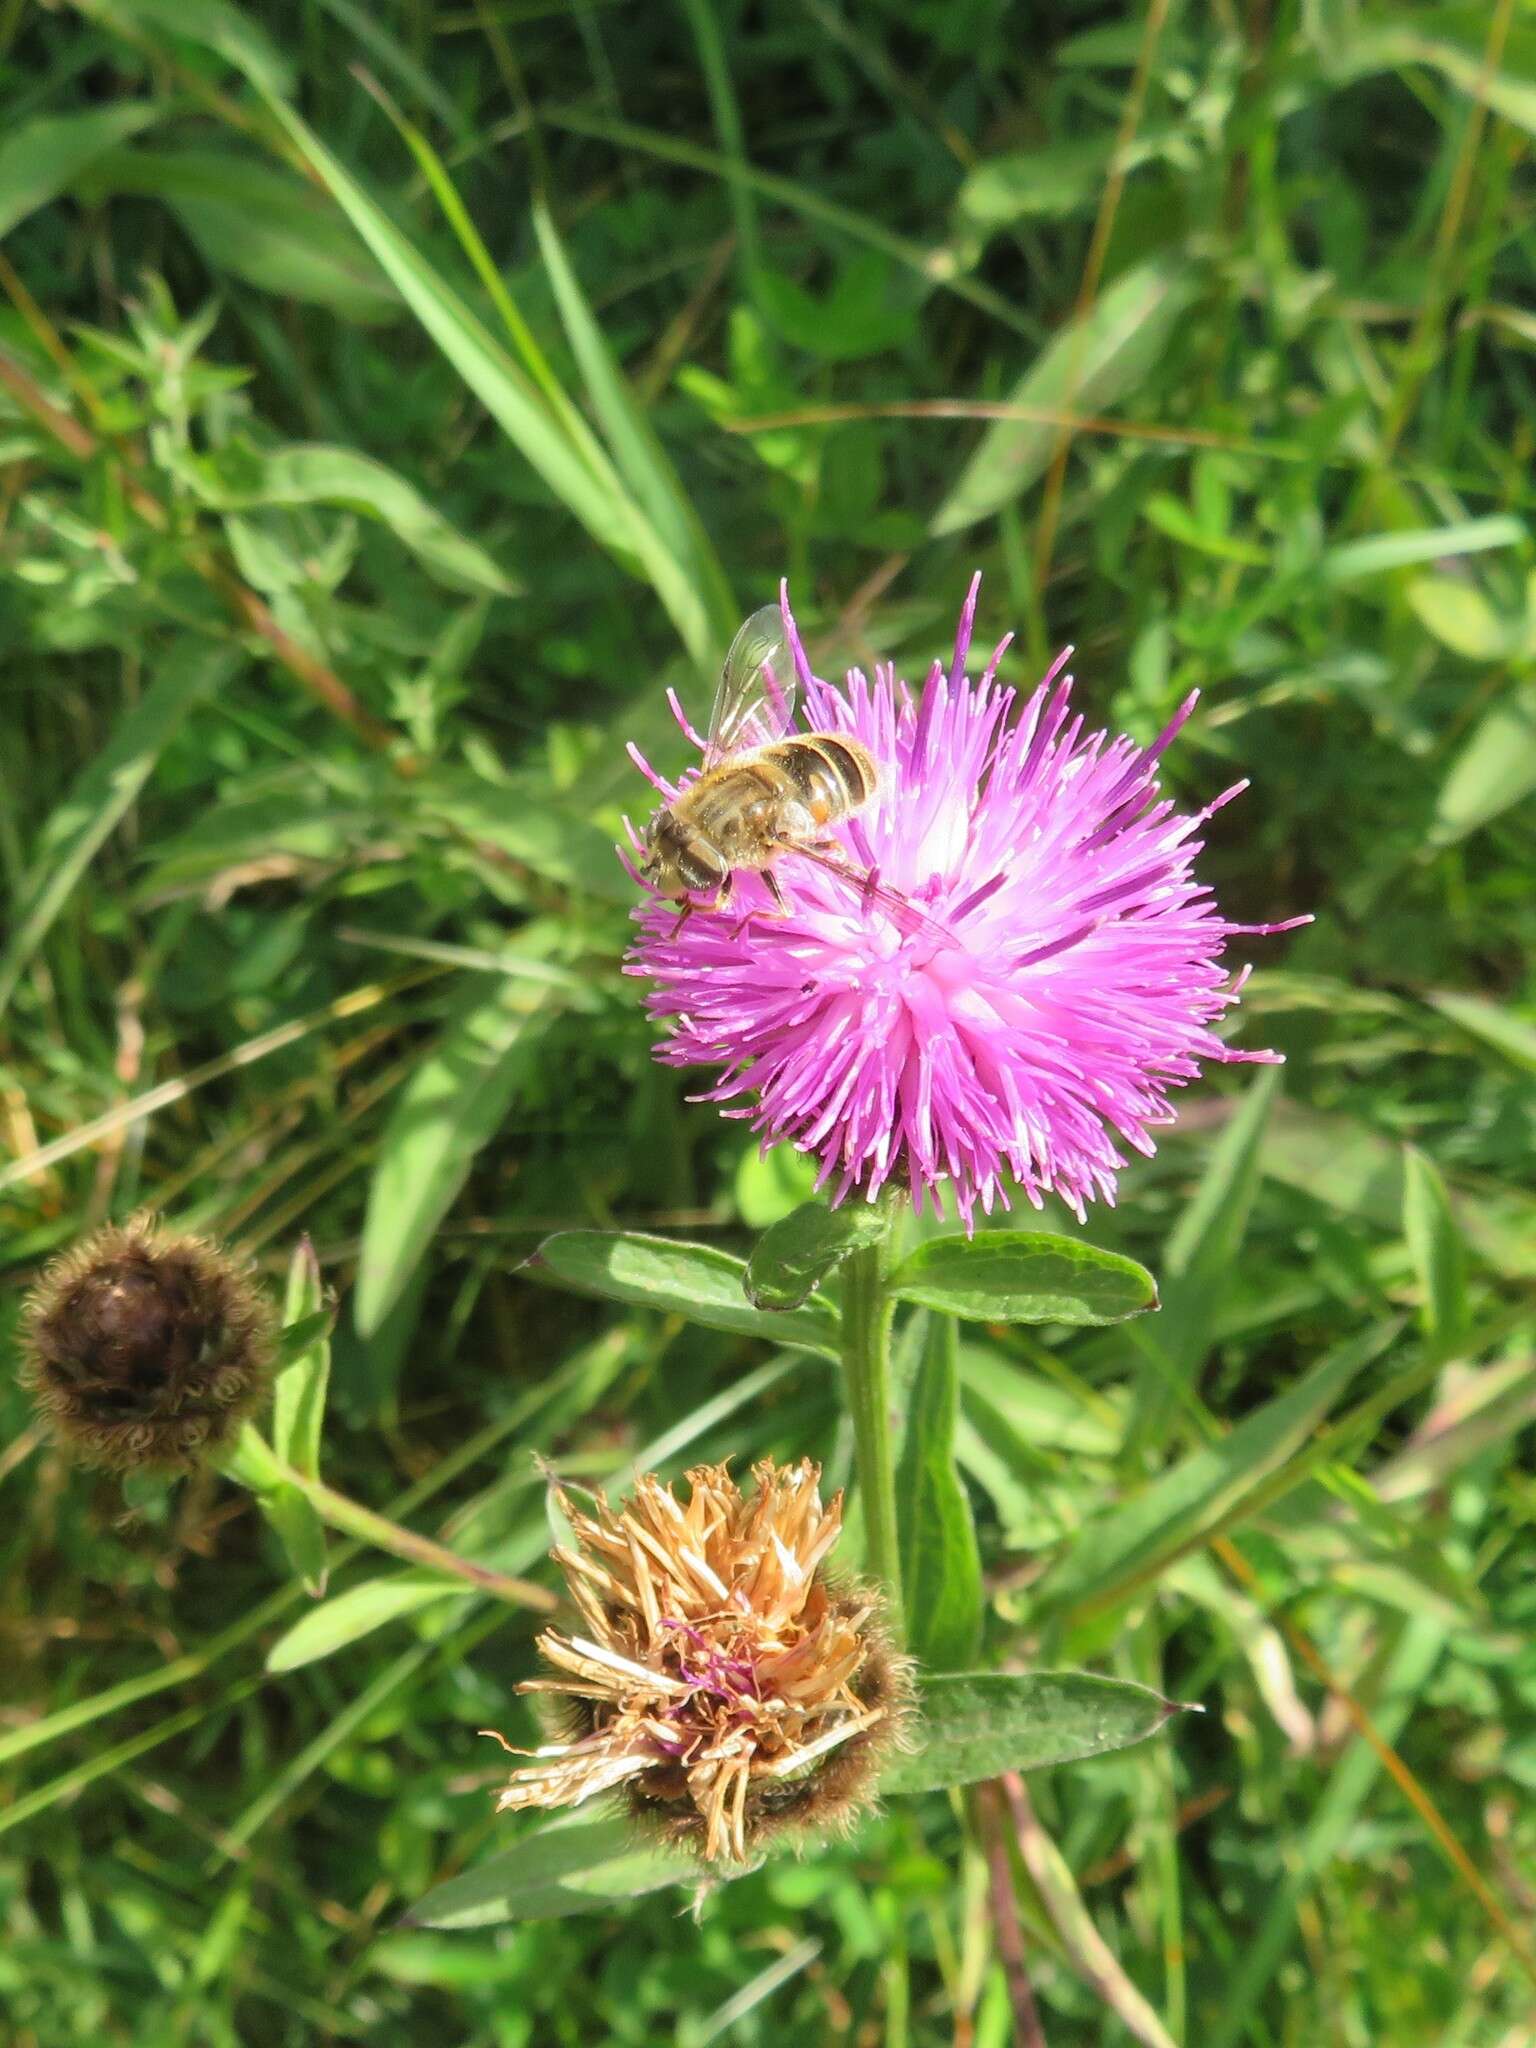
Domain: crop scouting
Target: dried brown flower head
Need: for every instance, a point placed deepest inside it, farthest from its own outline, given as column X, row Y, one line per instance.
column 146, row 1348
column 723, row 1683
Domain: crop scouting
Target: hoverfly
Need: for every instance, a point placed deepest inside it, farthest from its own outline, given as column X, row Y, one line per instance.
column 764, row 791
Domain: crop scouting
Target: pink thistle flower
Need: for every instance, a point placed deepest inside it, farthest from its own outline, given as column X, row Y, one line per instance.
column 1079, row 983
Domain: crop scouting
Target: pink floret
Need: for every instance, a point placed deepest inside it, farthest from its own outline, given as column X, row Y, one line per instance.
column 1081, row 982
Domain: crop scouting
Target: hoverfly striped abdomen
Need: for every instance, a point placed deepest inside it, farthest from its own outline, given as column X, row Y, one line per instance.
column 831, row 776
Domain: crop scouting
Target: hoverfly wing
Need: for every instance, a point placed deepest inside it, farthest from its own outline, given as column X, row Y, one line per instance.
column 755, row 702
column 902, row 908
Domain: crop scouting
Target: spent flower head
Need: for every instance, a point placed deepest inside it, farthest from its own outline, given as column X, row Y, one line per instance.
column 1065, row 970
column 145, row 1347
column 721, row 1682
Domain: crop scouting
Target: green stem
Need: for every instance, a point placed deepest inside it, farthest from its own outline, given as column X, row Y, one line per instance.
column 353, row 1519
column 253, row 1463
column 867, row 1311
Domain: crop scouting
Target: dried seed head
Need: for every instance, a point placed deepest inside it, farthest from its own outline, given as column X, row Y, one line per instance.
column 146, row 1348
column 720, row 1680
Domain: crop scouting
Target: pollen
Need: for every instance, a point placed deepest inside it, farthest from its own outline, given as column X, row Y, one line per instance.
column 721, row 1681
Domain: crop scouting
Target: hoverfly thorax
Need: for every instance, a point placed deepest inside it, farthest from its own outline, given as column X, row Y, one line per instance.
column 764, row 791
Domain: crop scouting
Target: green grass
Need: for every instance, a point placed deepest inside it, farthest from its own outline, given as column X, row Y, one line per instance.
column 377, row 449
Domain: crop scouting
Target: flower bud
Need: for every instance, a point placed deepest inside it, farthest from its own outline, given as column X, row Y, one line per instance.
column 146, row 1348
column 721, row 1681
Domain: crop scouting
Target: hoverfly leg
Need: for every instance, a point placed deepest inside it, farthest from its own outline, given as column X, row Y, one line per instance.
column 830, row 852
column 775, row 888
column 682, row 917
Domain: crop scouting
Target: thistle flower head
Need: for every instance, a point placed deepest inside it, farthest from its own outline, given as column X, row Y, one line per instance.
column 1066, row 970
column 145, row 1348
column 720, row 1680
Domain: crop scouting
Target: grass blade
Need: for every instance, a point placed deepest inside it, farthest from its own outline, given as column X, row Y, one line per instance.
column 298, row 1396
column 1198, row 1262
column 1085, row 366
column 451, row 1107
column 521, row 411
column 1128, row 1545
column 190, row 672
column 641, row 459
column 1434, row 1244
column 43, row 158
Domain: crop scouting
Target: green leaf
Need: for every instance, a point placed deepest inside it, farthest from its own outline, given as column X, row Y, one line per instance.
column 1463, row 63
column 1326, row 1827
column 1006, row 1398
column 188, row 672
column 1494, row 769
column 297, row 1338
column 250, row 1462
column 860, row 314
column 1199, row 1261
column 1050, row 183
column 1205, row 1493
column 940, row 1561
column 453, row 1104
column 390, row 55
column 1435, row 1246
column 973, row 1724
column 300, row 1531
column 769, row 1185
column 557, row 843
column 1462, row 617
column 1342, row 1162
column 311, row 473
column 1092, row 1957
column 692, row 1280
column 1022, row 1276
column 298, row 1394
column 258, row 222
column 1091, row 363
column 216, row 24
column 1376, row 553
column 42, row 158
column 579, row 1866
column 592, row 491
column 1494, row 1023
column 637, row 452
column 347, row 1617
column 790, row 1260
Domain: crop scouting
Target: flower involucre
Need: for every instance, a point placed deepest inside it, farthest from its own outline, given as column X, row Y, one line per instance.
column 1081, row 982
column 145, row 1347
column 723, row 1683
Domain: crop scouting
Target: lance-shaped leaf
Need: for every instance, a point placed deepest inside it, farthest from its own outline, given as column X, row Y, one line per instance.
column 1435, row 1246
column 692, row 1280
column 581, row 1866
column 973, row 1724
column 311, row 473
column 41, row 158
column 1198, row 1261
column 249, row 1462
column 452, row 1105
column 298, row 1393
column 796, row 1254
column 940, row 1563
column 187, row 674
column 1090, row 364
column 1207, row 1492
column 1021, row 1276
column 349, row 1616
